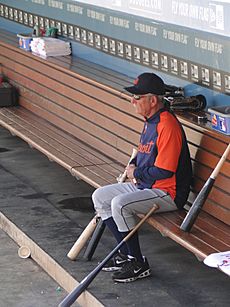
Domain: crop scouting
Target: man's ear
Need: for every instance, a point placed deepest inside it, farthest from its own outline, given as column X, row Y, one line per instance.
column 154, row 100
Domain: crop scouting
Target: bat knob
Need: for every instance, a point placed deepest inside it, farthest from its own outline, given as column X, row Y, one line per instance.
column 119, row 178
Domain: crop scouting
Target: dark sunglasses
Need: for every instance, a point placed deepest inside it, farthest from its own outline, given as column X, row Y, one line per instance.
column 138, row 97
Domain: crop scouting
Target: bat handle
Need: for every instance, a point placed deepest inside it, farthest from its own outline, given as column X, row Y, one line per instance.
column 123, row 177
column 220, row 163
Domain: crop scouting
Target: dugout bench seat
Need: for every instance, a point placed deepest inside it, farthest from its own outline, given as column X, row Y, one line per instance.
column 76, row 113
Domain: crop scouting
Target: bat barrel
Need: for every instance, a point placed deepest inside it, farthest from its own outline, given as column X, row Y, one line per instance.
column 79, row 244
column 197, row 205
column 73, row 296
column 94, row 240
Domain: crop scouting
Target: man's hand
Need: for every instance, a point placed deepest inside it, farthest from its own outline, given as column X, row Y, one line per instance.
column 130, row 170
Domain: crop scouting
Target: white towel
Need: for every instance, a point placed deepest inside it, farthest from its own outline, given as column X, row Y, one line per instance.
column 47, row 46
column 220, row 261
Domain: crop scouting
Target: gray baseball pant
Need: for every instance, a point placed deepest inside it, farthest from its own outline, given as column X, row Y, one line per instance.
column 123, row 200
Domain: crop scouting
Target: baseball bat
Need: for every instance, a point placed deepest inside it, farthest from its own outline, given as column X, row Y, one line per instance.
column 72, row 296
column 193, row 212
column 123, row 176
column 92, row 245
column 81, row 241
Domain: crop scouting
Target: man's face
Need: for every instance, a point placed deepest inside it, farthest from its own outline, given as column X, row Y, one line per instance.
column 144, row 104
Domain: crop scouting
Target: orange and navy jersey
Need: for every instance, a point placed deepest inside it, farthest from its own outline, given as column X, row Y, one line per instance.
column 163, row 160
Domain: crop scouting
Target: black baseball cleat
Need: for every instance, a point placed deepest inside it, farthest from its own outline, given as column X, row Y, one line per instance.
column 132, row 270
column 116, row 263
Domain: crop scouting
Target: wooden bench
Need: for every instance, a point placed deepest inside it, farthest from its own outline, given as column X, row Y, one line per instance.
column 77, row 114
column 57, row 97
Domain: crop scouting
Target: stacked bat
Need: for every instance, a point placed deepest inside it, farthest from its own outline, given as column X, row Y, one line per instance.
column 90, row 229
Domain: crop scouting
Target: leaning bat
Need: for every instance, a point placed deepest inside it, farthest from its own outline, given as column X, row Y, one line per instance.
column 72, row 296
column 202, row 196
column 92, row 245
column 81, row 241
column 100, row 225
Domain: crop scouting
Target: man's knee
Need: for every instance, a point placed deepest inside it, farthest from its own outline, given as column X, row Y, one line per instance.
column 101, row 200
column 115, row 202
column 122, row 213
column 118, row 205
column 97, row 198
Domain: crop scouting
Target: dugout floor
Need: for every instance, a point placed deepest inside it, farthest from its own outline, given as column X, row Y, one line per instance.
column 42, row 205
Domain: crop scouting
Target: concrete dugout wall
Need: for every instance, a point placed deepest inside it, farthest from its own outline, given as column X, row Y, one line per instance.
column 186, row 42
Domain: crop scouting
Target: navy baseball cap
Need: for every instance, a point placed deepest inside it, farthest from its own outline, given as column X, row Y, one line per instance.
column 147, row 83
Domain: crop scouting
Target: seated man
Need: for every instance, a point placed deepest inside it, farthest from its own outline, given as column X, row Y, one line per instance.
column 161, row 173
